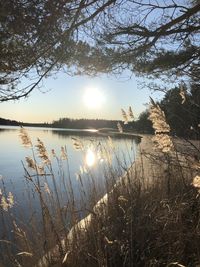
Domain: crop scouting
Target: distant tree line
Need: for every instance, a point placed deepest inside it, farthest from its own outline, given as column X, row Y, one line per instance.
column 8, row 122
column 84, row 123
column 66, row 123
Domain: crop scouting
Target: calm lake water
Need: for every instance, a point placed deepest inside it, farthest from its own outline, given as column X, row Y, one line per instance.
column 89, row 163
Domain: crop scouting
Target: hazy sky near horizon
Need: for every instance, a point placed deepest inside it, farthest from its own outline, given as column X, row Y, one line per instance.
column 65, row 96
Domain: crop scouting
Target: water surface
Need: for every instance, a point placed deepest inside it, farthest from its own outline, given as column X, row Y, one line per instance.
column 89, row 164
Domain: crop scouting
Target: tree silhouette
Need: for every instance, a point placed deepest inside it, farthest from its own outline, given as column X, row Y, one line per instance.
column 159, row 39
column 40, row 37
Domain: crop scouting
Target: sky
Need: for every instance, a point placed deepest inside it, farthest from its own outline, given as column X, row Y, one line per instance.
column 64, row 96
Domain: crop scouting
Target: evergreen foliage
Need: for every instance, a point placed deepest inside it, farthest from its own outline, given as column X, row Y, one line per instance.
column 153, row 38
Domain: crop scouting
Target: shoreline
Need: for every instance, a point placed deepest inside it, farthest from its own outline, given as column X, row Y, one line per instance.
column 84, row 131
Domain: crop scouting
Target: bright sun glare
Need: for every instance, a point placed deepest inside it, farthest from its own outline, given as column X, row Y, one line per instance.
column 93, row 98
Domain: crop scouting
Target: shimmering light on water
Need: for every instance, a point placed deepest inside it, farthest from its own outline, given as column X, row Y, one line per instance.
column 90, row 158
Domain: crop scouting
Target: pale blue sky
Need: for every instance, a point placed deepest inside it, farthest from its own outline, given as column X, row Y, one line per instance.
column 65, row 94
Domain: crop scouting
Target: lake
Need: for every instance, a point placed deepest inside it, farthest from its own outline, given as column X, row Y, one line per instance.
column 83, row 172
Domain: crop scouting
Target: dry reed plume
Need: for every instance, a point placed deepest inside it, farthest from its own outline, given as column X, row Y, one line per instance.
column 26, row 141
column 6, row 202
column 162, row 129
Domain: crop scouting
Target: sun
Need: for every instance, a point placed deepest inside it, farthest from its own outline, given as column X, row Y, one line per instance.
column 93, row 98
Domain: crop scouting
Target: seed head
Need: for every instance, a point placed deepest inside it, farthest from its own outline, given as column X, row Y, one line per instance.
column 162, row 129
column 26, row 141
column 31, row 163
column 125, row 117
column 130, row 113
column 157, row 116
column 42, row 152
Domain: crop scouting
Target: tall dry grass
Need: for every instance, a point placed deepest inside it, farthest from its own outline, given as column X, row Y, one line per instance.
column 148, row 217
column 54, row 207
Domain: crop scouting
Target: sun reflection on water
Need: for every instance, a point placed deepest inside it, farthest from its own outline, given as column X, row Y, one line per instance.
column 90, row 158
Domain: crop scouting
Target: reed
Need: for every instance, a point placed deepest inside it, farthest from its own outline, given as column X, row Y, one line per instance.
column 149, row 215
